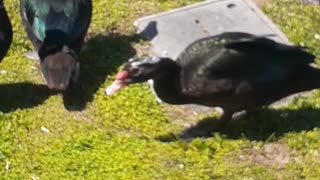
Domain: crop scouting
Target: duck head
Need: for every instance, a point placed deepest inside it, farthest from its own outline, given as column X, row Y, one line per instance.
column 59, row 65
column 138, row 71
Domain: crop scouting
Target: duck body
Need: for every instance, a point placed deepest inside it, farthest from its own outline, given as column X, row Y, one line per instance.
column 6, row 33
column 57, row 30
column 235, row 71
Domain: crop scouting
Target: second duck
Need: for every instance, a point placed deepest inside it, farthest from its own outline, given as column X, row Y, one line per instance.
column 57, row 29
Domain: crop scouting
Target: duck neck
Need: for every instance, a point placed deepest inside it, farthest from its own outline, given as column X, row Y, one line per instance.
column 166, row 82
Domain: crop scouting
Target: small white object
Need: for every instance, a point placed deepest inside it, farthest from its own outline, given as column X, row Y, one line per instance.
column 181, row 166
column 32, row 55
column 7, row 165
column 44, row 130
column 165, row 53
column 35, row 178
column 3, row 72
column 317, row 36
column 242, row 157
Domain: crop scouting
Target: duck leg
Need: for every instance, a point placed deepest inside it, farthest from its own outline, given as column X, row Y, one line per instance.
column 243, row 114
column 225, row 118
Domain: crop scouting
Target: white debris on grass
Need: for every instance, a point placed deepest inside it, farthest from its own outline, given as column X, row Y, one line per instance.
column 44, row 130
column 181, row 166
column 7, row 165
column 35, row 178
column 3, row 72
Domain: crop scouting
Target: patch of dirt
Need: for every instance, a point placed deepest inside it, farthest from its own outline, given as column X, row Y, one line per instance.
column 187, row 115
column 270, row 155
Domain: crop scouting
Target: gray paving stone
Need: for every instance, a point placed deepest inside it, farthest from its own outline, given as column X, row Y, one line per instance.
column 170, row 32
column 311, row 2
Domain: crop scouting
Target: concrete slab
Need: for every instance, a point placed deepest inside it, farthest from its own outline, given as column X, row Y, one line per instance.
column 171, row 32
column 311, row 2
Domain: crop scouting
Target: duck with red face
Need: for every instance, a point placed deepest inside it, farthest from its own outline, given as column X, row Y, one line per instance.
column 235, row 71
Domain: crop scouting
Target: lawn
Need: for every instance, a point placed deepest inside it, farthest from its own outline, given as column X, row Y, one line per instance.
column 86, row 135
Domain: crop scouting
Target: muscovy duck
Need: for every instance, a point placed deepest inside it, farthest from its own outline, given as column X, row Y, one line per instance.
column 5, row 31
column 235, row 71
column 57, row 29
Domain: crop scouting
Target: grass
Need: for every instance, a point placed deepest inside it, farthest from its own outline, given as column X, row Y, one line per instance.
column 117, row 138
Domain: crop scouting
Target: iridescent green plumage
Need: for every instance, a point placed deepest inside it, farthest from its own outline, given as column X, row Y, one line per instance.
column 57, row 29
column 51, row 15
column 44, row 15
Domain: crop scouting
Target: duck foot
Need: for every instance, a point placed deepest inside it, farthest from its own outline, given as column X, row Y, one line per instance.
column 243, row 114
column 33, row 55
column 224, row 120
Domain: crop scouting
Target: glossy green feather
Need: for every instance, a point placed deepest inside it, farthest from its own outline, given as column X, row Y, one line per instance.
column 44, row 15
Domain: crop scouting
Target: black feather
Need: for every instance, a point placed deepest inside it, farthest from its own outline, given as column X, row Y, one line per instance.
column 5, row 32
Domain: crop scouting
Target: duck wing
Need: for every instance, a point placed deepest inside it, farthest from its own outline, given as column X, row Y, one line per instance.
column 221, row 63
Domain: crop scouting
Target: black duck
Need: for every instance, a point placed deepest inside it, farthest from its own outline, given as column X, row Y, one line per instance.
column 235, row 71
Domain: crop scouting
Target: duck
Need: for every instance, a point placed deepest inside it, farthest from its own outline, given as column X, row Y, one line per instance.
column 6, row 33
column 57, row 30
column 235, row 71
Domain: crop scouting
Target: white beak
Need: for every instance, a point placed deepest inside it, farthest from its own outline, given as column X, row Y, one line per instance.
column 116, row 86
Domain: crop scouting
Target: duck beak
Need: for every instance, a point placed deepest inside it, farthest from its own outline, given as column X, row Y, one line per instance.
column 116, row 86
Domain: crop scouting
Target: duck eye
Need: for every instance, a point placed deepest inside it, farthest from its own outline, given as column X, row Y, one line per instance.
column 135, row 72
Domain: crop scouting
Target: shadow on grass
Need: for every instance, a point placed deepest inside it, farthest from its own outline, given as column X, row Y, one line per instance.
column 22, row 96
column 265, row 125
column 101, row 56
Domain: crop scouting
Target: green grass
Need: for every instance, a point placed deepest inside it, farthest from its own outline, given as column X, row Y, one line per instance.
column 116, row 137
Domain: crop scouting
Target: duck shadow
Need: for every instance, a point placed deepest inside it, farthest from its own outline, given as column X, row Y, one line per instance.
column 101, row 56
column 22, row 96
column 150, row 31
column 263, row 125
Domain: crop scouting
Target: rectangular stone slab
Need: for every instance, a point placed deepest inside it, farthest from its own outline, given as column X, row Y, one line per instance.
column 171, row 32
